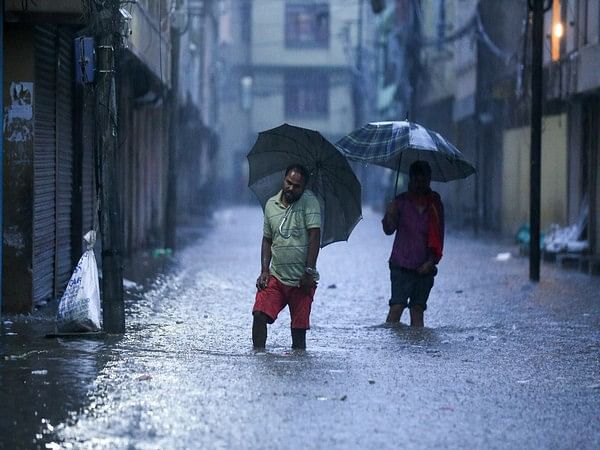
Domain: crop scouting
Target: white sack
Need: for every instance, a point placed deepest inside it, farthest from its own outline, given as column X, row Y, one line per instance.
column 79, row 307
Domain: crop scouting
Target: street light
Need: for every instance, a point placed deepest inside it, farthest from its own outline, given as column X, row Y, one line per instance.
column 558, row 30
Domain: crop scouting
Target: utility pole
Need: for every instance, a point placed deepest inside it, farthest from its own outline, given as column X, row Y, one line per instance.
column 171, row 220
column 538, row 7
column 1, row 150
column 108, row 26
column 358, row 98
column 441, row 26
column 414, row 56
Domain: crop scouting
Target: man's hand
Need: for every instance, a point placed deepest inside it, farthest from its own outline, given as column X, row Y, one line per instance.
column 425, row 268
column 307, row 283
column 262, row 281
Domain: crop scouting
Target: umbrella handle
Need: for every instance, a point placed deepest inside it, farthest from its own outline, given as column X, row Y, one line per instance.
column 285, row 217
column 397, row 176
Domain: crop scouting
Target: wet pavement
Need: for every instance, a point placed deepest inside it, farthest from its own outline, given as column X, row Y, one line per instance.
column 502, row 363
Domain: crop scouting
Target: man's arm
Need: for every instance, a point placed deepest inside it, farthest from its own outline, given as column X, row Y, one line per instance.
column 435, row 236
column 314, row 242
column 390, row 220
column 265, row 262
column 265, row 254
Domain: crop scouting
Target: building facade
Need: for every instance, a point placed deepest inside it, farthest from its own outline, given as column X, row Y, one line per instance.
column 573, row 87
column 43, row 214
column 287, row 61
column 474, row 57
column 51, row 181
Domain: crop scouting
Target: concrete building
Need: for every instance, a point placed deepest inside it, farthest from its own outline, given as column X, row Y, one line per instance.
column 573, row 90
column 41, row 154
column 48, row 135
column 197, row 100
column 475, row 61
column 235, row 86
column 287, row 61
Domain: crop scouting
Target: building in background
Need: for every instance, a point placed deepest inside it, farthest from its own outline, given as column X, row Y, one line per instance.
column 198, row 102
column 300, row 68
column 285, row 61
column 235, row 88
column 143, row 82
column 573, row 92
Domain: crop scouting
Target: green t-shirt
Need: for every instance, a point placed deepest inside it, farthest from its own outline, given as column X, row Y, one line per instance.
column 288, row 230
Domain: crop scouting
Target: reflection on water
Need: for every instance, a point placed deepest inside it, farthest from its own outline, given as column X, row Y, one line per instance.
column 43, row 382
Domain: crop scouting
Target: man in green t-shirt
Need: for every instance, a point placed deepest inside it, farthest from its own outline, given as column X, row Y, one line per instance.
column 290, row 246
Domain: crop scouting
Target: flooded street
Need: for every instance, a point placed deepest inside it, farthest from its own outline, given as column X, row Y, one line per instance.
column 502, row 363
column 166, row 128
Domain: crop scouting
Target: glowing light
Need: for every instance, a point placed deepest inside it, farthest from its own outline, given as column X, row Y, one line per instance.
column 558, row 30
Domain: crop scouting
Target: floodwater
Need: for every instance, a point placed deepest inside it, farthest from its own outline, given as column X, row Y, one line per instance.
column 502, row 363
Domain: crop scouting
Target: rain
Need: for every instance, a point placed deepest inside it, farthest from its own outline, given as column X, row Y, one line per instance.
column 166, row 166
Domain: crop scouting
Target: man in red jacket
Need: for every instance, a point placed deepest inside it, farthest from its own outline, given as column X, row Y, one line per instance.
column 417, row 218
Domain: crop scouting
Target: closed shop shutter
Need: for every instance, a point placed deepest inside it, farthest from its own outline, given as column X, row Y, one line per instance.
column 44, row 164
column 64, row 159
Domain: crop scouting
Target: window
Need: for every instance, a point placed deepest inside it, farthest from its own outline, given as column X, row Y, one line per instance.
column 592, row 25
column 306, row 94
column 246, row 18
column 307, row 25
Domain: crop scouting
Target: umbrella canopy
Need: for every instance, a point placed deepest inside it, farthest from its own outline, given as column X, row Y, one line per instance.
column 331, row 177
column 397, row 145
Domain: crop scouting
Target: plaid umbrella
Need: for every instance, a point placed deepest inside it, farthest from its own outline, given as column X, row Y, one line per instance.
column 331, row 178
column 397, row 145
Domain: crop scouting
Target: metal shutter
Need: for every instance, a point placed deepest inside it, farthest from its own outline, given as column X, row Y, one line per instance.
column 44, row 164
column 64, row 159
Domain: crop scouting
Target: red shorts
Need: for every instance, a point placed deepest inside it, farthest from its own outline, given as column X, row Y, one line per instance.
column 277, row 295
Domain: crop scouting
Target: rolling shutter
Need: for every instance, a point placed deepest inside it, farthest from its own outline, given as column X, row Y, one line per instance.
column 44, row 165
column 64, row 159
column 52, row 162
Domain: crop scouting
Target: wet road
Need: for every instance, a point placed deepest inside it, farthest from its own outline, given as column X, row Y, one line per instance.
column 502, row 363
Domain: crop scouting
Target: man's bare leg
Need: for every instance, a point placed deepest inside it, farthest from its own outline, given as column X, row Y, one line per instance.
column 416, row 316
column 298, row 338
column 395, row 314
column 259, row 330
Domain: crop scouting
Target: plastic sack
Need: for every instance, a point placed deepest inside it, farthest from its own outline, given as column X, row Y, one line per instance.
column 79, row 307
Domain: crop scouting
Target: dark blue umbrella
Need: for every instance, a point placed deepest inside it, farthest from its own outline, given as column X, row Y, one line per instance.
column 397, row 145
